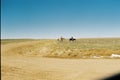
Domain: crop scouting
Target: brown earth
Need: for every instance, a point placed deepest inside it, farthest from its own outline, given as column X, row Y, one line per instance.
column 19, row 61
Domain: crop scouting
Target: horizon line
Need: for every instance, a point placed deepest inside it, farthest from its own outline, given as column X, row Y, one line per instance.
column 58, row 37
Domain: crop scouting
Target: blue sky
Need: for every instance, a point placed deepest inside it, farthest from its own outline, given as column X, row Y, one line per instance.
column 55, row 18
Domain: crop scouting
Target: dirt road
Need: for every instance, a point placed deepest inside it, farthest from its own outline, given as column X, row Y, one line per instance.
column 23, row 67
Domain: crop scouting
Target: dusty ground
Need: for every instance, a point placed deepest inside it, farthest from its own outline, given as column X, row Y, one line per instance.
column 19, row 66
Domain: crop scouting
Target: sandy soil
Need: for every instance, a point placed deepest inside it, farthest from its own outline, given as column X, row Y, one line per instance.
column 22, row 67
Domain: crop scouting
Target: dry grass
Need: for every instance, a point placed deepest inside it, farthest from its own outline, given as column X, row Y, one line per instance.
column 86, row 48
column 27, row 59
column 7, row 41
column 82, row 48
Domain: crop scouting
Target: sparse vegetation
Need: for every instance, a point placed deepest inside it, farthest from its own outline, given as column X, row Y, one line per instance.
column 31, row 59
column 6, row 41
column 82, row 48
column 86, row 48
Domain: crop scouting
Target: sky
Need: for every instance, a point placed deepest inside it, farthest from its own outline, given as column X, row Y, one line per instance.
column 56, row 18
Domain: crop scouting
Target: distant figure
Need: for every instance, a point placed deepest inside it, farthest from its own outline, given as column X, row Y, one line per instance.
column 72, row 39
column 61, row 39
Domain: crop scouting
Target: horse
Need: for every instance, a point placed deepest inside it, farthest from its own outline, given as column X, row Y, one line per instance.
column 61, row 39
column 72, row 39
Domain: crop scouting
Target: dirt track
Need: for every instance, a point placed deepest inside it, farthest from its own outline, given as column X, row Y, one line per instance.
column 22, row 67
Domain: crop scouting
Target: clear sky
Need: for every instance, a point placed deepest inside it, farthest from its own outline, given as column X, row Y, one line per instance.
column 55, row 18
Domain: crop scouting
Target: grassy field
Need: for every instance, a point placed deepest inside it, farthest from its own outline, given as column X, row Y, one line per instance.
column 6, row 41
column 40, row 59
column 81, row 48
column 88, row 47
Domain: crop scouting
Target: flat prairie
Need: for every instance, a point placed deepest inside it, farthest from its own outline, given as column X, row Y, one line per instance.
column 54, row 60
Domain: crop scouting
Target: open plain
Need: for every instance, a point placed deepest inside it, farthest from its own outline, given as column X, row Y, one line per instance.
column 53, row 60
